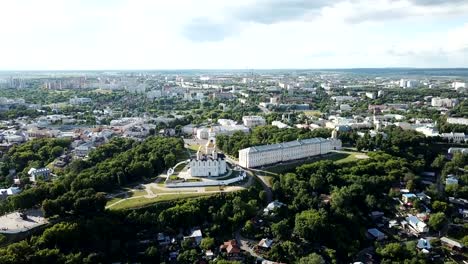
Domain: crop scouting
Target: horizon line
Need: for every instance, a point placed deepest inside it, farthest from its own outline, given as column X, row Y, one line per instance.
column 237, row 69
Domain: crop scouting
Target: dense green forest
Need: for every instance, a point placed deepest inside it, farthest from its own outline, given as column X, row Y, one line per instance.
column 106, row 236
column 36, row 153
column 113, row 164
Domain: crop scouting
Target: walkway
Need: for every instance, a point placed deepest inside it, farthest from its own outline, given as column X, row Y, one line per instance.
column 150, row 193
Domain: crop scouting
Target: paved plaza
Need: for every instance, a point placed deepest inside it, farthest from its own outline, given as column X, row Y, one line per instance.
column 13, row 223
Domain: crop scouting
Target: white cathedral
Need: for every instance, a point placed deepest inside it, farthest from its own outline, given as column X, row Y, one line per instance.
column 208, row 163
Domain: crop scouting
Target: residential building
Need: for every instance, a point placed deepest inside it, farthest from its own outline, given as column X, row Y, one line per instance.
column 452, row 151
column 458, row 85
column 452, row 243
column 265, row 243
column 451, row 180
column 457, row 121
column 36, row 174
column 230, row 247
column 253, row 121
column 376, row 234
column 195, row 236
column 371, row 95
column 80, row 100
column 454, row 137
column 279, row 124
column 444, row 102
column 9, row 192
column 408, row 197
column 418, row 225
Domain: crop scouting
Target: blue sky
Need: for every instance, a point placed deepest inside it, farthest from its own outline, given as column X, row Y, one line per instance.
column 214, row 34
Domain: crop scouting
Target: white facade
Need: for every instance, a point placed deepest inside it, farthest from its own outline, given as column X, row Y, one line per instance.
column 370, row 95
column 417, row 224
column 408, row 83
column 208, row 162
column 77, row 101
column 253, row 121
column 459, row 121
column 279, row 124
column 443, row 102
column 205, row 133
column 281, row 152
column 454, row 137
column 42, row 173
column 458, row 85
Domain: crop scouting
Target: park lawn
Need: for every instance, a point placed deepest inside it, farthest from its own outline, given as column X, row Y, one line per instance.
column 194, row 147
column 137, row 193
column 352, row 156
column 313, row 113
column 142, row 201
column 175, row 191
column 213, row 188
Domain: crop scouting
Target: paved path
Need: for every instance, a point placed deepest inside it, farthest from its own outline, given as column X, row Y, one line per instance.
column 171, row 191
column 242, row 241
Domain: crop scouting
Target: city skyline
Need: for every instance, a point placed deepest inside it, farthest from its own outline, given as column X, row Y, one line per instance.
column 265, row 34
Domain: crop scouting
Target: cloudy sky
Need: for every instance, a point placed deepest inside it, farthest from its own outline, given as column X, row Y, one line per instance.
column 232, row 34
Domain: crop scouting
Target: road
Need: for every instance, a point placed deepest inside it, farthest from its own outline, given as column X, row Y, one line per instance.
column 264, row 109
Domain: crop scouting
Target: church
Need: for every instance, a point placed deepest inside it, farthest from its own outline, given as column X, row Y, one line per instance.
column 208, row 163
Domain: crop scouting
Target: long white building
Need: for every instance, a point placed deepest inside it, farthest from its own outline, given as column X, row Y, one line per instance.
column 281, row 152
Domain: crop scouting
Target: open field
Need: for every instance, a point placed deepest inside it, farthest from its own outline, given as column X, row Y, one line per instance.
column 158, row 191
column 194, row 147
column 312, row 113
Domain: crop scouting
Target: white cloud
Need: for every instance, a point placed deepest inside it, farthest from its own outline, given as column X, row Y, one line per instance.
column 145, row 34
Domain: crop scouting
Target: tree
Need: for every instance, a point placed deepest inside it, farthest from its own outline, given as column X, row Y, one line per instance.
column 439, row 206
column 170, row 160
column 281, row 229
column 438, row 162
column 188, row 256
column 152, row 252
column 313, row 258
column 310, row 224
column 249, row 228
column 262, row 195
column 437, row 221
column 207, row 243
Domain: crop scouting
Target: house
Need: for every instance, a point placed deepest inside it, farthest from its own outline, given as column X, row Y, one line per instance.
column 265, row 243
column 376, row 215
column 424, row 245
column 9, row 192
column 195, row 236
column 451, row 243
column 463, row 212
column 423, row 197
column 39, row 174
column 408, row 197
column 376, row 234
column 163, row 239
column 451, row 180
column 418, row 225
column 209, row 254
column 230, row 247
column 272, row 207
